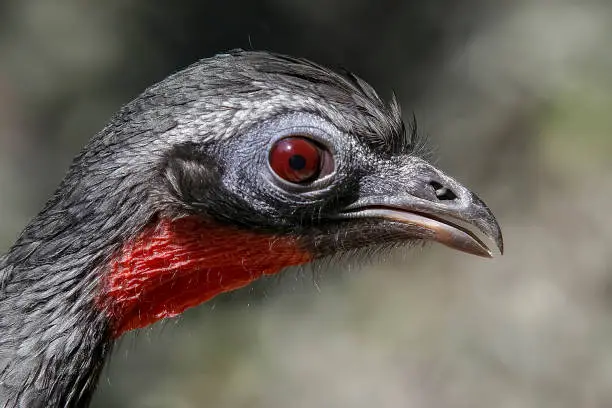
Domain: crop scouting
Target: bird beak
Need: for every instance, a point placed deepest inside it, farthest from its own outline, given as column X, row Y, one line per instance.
column 432, row 206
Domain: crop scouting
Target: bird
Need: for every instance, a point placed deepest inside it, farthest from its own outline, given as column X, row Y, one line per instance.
column 232, row 169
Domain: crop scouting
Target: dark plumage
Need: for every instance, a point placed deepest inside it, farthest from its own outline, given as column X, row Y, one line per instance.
column 182, row 173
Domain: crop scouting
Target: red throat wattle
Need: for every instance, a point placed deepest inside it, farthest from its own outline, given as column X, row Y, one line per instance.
column 181, row 263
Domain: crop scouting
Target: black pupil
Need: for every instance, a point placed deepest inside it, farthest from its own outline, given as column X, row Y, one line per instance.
column 297, row 162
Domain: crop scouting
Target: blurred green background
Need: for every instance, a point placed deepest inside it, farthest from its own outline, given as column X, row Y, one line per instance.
column 516, row 100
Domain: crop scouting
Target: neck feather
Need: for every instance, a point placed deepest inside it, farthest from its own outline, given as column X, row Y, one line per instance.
column 62, row 303
column 53, row 344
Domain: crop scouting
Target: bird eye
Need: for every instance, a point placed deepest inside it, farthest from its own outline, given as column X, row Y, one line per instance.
column 298, row 159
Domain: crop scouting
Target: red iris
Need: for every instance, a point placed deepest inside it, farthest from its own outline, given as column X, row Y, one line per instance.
column 295, row 159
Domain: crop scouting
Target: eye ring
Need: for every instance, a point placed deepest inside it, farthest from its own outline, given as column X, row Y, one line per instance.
column 298, row 159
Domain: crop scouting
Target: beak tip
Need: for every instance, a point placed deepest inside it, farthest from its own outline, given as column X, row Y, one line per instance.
column 499, row 241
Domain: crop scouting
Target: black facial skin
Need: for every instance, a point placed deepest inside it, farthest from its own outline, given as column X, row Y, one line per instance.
column 253, row 196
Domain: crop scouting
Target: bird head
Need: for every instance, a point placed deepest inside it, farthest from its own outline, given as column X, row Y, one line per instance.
column 235, row 168
column 258, row 162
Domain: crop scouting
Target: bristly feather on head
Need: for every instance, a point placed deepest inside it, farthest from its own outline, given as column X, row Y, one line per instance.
column 260, row 85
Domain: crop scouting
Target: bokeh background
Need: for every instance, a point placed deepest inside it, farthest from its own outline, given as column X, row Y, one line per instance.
column 516, row 99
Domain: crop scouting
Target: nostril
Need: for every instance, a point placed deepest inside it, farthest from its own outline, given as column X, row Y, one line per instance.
column 443, row 193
